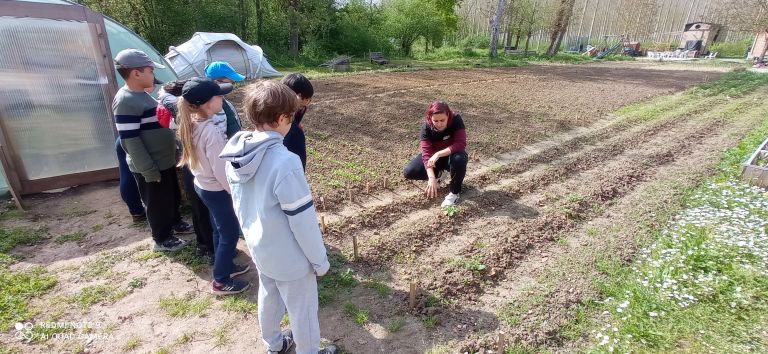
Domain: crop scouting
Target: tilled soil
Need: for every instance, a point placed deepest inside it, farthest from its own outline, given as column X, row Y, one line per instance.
column 521, row 232
column 363, row 129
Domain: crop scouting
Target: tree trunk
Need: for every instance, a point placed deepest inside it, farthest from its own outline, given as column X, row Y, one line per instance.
column 508, row 42
column 293, row 28
column 259, row 22
column 527, row 42
column 243, row 20
column 560, row 26
column 517, row 39
column 495, row 27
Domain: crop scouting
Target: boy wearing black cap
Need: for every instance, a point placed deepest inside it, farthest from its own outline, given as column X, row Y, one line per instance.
column 149, row 147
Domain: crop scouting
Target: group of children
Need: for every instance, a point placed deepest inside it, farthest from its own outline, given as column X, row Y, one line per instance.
column 249, row 182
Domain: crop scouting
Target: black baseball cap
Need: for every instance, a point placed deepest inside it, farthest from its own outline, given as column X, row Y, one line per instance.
column 198, row 91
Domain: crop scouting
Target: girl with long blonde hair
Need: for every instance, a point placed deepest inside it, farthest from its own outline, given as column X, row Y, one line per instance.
column 201, row 145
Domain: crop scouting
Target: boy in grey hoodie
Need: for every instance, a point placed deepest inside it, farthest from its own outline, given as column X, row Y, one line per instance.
column 273, row 203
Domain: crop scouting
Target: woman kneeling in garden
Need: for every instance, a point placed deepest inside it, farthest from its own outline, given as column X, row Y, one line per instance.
column 443, row 143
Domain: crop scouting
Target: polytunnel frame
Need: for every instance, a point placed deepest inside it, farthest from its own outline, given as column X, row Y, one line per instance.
column 18, row 182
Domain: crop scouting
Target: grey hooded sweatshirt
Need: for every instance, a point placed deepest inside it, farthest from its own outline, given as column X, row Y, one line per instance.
column 273, row 202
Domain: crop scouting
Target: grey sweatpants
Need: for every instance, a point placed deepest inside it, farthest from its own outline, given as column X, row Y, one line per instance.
column 299, row 297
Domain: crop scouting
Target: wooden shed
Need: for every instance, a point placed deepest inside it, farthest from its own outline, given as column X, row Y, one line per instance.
column 699, row 35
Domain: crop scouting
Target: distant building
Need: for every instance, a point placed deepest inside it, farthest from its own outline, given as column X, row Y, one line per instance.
column 699, row 35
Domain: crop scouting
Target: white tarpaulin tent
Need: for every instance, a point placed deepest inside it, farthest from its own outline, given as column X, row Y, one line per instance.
column 190, row 58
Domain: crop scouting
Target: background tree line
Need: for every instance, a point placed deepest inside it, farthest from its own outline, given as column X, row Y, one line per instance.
column 318, row 29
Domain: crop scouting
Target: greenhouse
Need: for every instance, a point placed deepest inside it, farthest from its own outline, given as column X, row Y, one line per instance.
column 56, row 126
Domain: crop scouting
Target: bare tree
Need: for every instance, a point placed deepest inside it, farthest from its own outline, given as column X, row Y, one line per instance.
column 746, row 15
column 560, row 25
column 495, row 27
column 293, row 27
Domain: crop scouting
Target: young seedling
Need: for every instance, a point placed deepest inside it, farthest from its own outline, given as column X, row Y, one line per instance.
column 451, row 210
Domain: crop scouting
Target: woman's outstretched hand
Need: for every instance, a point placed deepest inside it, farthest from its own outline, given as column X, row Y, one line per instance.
column 432, row 187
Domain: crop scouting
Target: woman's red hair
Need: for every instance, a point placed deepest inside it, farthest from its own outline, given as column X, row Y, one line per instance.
column 438, row 107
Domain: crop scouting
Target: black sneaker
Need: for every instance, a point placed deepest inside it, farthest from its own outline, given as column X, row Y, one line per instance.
column 287, row 342
column 239, row 269
column 203, row 252
column 231, row 287
column 183, row 228
column 330, row 349
column 170, row 245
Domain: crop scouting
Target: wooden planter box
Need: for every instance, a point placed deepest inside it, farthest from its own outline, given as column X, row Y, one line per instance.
column 755, row 170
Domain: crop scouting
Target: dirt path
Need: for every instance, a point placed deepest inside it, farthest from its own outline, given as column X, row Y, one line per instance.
column 518, row 257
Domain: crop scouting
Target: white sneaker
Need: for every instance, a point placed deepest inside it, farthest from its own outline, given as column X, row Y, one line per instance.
column 450, row 199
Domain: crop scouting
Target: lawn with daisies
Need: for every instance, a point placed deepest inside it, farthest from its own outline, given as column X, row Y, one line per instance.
column 702, row 285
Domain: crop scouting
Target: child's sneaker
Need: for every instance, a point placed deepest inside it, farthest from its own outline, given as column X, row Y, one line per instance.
column 229, row 288
column 172, row 244
column 330, row 349
column 287, row 342
column 450, row 199
column 183, row 228
column 239, row 269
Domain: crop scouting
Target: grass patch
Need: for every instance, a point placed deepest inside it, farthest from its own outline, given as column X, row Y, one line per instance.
column 189, row 258
column 381, row 288
column 73, row 237
column 336, row 280
column 12, row 237
column 239, row 304
column 733, row 84
column 131, row 344
column 185, row 338
column 429, row 322
column 220, row 336
column 702, row 285
column 185, row 306
column 137, row 283
column 17, row 288
column 97, row 294
column 360, row 316
column 395, row 325
column 101, row 266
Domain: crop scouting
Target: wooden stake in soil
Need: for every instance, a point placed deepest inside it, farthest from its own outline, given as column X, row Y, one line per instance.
column 518, row 140
column 349, row 194
column 322, row 224
column 501, row 343
column 354, row 248
column 367, row 187
column 385, row 182
column 322, row 202
column 412, row 296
